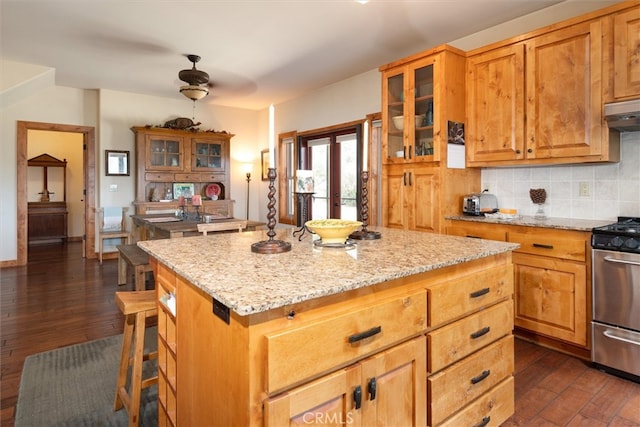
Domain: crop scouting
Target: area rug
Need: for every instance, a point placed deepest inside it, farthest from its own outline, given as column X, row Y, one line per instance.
column 75, row 386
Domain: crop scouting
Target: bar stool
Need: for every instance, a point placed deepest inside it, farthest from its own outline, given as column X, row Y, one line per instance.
column 137, row 307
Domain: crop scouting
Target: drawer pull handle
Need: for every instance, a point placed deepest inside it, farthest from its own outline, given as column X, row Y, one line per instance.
column 481, row 332
column 372, row 388
column 482, row 376
column 472, row 237
column 540, row 245
column 357, row 396
column 479, row 293
column 366, row 334
column 484, row 422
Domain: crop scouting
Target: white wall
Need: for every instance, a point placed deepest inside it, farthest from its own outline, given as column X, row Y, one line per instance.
column 54, row 104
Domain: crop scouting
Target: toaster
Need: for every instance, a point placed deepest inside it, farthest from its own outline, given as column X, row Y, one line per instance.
column 479, row 204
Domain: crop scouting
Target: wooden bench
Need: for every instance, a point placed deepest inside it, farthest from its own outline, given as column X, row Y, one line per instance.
column 138, row 259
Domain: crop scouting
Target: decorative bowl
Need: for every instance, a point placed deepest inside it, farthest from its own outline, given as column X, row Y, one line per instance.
column 398, row 122
column 333, row 230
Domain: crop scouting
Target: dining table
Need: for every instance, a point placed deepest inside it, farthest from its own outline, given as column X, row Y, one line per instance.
column 167, row 226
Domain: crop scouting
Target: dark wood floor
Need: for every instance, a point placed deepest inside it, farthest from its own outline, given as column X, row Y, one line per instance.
column 59, row 299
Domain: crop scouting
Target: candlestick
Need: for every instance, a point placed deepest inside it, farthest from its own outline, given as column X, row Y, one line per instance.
column 365, row 234
column 271, row 246
column 272, row 138
column 365, row 147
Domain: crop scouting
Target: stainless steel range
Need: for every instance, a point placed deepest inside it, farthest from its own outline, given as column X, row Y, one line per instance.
column 616, row 297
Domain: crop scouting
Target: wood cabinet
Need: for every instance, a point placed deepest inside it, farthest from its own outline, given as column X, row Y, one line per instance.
column 422, row 103
column 539, row 100
column 552, row 281
column 362, row 357
column 168, row 156
column 47, row 222
column 622, row 61
column 372, row 392
column 167, row 348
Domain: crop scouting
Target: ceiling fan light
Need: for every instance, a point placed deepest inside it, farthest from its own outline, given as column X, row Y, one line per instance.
column 194, row 92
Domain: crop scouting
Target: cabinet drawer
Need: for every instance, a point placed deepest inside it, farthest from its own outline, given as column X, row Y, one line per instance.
column 463, row 382
column 452, row 299
column 478, row 231
column 159, row 176
column 212, row 177
column 557, row 245
column 188, row 177
column 303, row 351
column 455, row 341
column 492, row 409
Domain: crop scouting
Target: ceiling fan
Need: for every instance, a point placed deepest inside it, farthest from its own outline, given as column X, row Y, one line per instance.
column 198, row 84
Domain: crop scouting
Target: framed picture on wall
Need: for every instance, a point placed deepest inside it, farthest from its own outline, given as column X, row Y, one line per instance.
column 116, row 163
column 264, row 160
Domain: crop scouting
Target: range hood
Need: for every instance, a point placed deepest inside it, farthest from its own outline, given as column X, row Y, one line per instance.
column 623, row 116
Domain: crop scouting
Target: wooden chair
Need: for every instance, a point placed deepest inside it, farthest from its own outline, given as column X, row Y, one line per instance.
column 113, row 225
column 239, row 224
column 137, row 307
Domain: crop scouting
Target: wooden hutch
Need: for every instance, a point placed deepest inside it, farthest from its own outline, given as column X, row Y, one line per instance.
column 166, row 156
column 47, row 220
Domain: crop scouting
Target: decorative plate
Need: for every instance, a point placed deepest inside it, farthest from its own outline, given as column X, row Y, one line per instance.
column 214, row 191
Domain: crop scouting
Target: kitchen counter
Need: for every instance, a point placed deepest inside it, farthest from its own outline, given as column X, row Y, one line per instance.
column 529, row 221
column 224, row 267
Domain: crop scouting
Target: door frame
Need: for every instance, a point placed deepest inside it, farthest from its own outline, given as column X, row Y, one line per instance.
column 88, row 141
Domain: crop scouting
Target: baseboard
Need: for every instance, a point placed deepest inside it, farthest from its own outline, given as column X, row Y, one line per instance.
column 557, row 345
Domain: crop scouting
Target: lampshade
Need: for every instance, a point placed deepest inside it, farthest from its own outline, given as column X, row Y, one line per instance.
column 194, row 92
column 247, row 167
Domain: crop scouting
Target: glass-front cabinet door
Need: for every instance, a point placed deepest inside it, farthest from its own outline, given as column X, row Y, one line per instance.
column 164, row 153
column 410, row 113
column 207, row 155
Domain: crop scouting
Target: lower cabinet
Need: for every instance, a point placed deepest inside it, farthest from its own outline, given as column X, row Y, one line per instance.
column 387, row 389
column 552, row 281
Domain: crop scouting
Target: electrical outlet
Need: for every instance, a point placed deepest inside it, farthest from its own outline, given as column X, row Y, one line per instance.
column 113, row 187
column 585, row 189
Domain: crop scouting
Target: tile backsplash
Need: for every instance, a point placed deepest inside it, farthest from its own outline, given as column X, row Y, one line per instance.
column 609, row 190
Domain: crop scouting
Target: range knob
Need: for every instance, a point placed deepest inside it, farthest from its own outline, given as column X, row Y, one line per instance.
column 631, row 243
column 616, row 242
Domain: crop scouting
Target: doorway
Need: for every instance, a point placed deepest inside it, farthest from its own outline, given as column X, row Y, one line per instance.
column 88, row 137
column 334, row 159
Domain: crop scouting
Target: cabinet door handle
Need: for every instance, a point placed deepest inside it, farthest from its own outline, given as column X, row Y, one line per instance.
column 484, row 422
column 479, row 293
column 410, row 173
column 543, row 246
column 357, row 397
column 409, row 150
column 372, row 388
column 482, row 376
column 404, row 178
column 366, row 334
column 404, row 152
column 481, row 332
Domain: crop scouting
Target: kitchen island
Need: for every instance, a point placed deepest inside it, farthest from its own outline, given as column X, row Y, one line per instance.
column 378, row 332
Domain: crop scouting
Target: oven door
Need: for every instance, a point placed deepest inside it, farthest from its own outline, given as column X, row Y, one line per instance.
column 616, row 288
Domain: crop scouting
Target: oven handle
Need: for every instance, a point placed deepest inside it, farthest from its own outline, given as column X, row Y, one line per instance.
column 621, row 261
column 609, row 334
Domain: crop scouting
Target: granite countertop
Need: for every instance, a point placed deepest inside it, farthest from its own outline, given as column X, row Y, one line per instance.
column 529, row 221
column 223, row 266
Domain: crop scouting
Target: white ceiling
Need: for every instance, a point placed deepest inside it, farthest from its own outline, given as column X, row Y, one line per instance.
column 255, row 51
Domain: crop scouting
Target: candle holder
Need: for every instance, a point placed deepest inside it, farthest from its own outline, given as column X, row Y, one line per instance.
column 365, row 234
column 303, row 198
column 271, row 246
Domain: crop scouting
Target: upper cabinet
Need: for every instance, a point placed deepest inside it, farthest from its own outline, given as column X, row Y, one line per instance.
column 622, row 62
column 539, row 101
column 417, row 103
